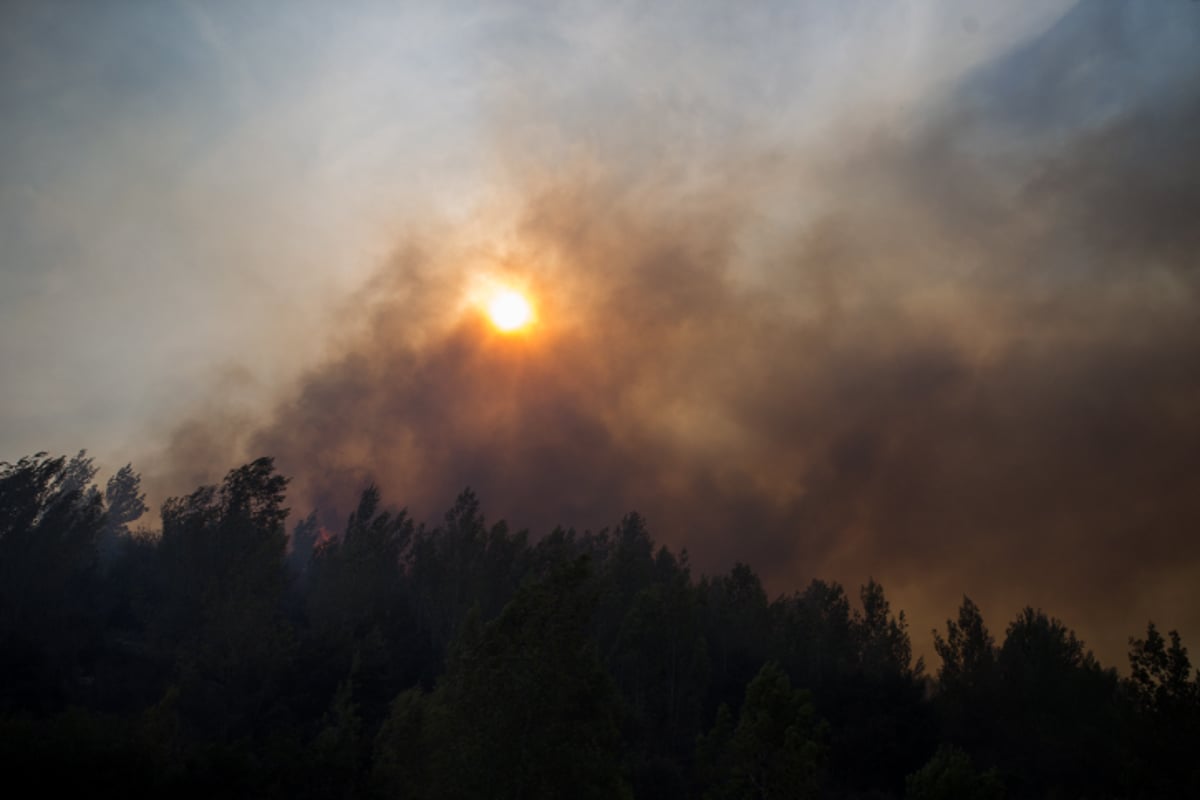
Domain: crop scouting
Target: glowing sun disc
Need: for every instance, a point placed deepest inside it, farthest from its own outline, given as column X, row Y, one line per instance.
column 509, row 311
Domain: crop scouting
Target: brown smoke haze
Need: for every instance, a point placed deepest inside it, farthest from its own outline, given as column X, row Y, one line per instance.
column 898, row 350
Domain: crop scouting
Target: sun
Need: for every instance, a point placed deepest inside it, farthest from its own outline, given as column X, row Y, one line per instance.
column 509, row 311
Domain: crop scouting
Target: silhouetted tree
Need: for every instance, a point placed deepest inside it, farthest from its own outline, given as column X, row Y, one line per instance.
column 360, row 607
column 404, row 747
column 968, row 682
column 882, row 726
column 737, row 629
column 303, row 544
column 950, row 775
column 776, row 749
column 50, row 520
column 883, row 644
column 339, row 754
column 815, row 639
column 223, row 559
column 525, row 708
column 1057, row 712
column 462, row 563
column 1165, row 734
column 661, row 665
column 125, row 503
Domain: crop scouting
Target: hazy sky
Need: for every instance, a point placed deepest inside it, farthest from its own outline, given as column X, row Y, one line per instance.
column 903, row 290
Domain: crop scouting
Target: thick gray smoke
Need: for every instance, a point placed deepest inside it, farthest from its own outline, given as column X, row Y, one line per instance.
column 956, row 348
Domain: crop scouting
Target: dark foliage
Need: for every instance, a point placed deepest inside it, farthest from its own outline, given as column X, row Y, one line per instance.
column 221, row 656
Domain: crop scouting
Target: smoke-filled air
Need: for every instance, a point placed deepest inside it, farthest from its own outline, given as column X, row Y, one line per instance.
column 900, row 294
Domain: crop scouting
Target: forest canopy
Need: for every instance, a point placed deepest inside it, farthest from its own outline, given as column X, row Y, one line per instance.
column 236, row 650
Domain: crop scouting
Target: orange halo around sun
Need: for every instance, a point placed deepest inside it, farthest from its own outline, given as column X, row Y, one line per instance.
column 509, row 311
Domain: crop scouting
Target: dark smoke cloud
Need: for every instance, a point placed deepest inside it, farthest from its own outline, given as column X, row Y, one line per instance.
column 919, row 355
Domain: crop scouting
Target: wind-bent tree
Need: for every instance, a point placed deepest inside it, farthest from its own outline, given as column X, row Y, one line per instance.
column 125, row 500
column 50, row 520
column 222, row 557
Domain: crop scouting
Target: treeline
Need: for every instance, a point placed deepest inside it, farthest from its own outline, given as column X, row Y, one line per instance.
column 226, row 656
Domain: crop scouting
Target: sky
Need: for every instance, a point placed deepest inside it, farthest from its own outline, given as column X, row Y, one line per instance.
column 903, row 290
